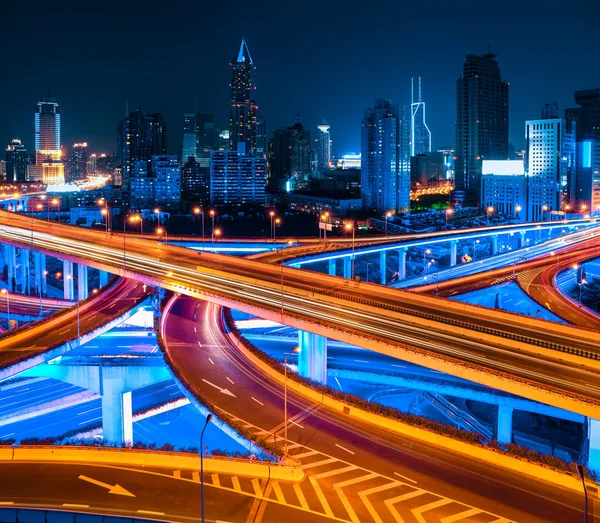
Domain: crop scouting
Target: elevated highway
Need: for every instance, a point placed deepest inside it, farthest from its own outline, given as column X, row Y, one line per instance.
column 553, row 364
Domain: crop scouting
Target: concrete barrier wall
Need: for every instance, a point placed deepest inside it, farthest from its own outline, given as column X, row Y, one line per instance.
column 143, row 459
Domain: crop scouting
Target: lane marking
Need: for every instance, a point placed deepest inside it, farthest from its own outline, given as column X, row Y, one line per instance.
column 389, row 503
column 306, row 454
column 64, row 332
column 200, row 344
column 404, row 477
column 297, row 424
column 430, row 506
column 259, row 402
column 195, row 330
column 229, row 380
column 301, row 497
column 364, row 493
column 278, row 492
column 318, row 463
column 361, row 361
column 152, row 512
column 211, row 361
column 339, row 384
column 347, row 505
column 215, row 480
column 343, row 448
column 75, row 505
column 399, row 366
column 236, row 484
column 257, row 490
column 461, row 515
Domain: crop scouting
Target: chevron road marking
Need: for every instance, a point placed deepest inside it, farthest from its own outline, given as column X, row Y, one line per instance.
column 257, row 490
column 278, row 492
column 301, row 497
column 215, row 480
column 319, row 463
column 461, row 515
column 306, row 454
column 364, row 493
column 430, row 506
column 389, row 503
column 347, row 505
column 317, row 487
column 236, row 483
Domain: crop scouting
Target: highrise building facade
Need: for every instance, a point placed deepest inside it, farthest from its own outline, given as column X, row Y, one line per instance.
column 242, row 113
column 385, row 158
column 16, row 159
column 77, row 166
column 420, row 135
column 195, row 183
column 139, row 137
column 323, row 146
column 289, row 158
column 190, row 147
column 237, row 179
column 550, row 164
column 426, row 168
column 262, row 142
column 199, row 137
column 47, row 125
column 481, row 123
column 167, row 173
column 587, row 115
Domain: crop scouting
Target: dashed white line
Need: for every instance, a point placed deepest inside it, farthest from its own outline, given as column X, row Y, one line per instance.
column 297, row 424
column 75, row 505
column 6, row 435
column 195, row 330
column 63, row 332
column 89, row 421
column 361, row 361
column 229, row 380
column 399, row 366
column 200, row 344
column 152, row 512
column 259, row 402
column 404, row 477
column 343, row 448
column 211, row 361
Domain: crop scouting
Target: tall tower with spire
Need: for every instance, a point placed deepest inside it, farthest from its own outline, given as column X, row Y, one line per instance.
column 420, row 135
column 242, row 113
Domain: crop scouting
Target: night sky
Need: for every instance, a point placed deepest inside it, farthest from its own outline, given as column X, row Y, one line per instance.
column 323, row 59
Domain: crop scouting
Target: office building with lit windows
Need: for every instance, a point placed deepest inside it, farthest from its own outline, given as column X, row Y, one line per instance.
column 17, row 160
column 47, row 143
column 385, row 158
column 242, row 112
column 323, row 146
column 504, row 188
column 77, row 165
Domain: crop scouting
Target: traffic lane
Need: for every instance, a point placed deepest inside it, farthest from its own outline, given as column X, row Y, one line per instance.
column 380, row 451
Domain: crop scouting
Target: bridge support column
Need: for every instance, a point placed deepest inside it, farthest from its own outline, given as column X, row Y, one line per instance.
column 453, row 244
column 593, row 440
column 10, row 255
column 505, row 418
column 25, row 266
column 332, row 268
column 69, row 289
column 117, row 416
column 521, row 239
column 312, row 359
column 402, row 263
column 494, row 244
column 103, row 278
column 383, row 266
column 82, row 281
column 347, row 267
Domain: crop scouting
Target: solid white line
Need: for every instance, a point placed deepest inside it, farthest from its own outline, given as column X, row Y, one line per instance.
column 259, row 402
column 400, row 366
column 63, row 332
column 361, row 361
column 229, row 380
column 211, row 361
column 89, row 421
column 349, row 451
column 6, row 435
column 339, row 384
column 297, row 424
column 151, row 512
column 87, row 411
column 404, row 477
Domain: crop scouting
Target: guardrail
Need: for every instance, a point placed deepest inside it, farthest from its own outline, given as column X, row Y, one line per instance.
column 27, row 515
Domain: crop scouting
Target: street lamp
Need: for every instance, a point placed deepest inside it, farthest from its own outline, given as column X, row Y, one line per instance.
column 490, row 210
column 475, row 245
column 518, row 210
column 272, row 215
column 104, row 212
column 448, row 213
column 5, row 291
column 387, row 215
column 197, row 211
column 277, row 222
column 56, row 203
column 581, row 473
column 157, row 212
column 160, row 230
column 212, row 215
column 132, row 219
column 217, row 233
column 281, row 271
column 325, row 218
column 208, row 419
column 71, row 277
column 285, row 412
column 348, row 227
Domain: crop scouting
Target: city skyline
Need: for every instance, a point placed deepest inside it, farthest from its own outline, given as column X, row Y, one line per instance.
column 292, row 78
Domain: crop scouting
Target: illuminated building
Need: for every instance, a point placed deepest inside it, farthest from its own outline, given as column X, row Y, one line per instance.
column 167, row 172
column 449, row 155
column 53, row 171
column 427, row 167
column 323, row 146
column 47, row 138
column 77, row 166
column 242, row 113
column 481, row 123
column 223, row 142
column 262, row 142
column 504, row 188
column 195, row 185
column 289, row 157
column 587, row 115
column 237, row 179
column 106, row 164
column 190, row 148
column 385, row 175
column 585, row 193
column 92, row 164
column 550, row 163
column 349, row 161
column 198, row 137
column 139, row 137
column 420, row 135
column 17, row 159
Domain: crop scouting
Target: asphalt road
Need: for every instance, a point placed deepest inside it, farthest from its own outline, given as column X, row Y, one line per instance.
column 338, row 450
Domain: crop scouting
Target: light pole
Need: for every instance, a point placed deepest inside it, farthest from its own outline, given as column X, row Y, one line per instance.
column 277, row 222
column 208, row 419
column 56, row 203
column 157, row 212
column 490, row 210
column 104, row 212
column 160, row 230
column 325, row 218
column 448, row 213
column 132, row 219
column 272, row 215
column 197, row 211
column 350, row 226
column 212, row 215
column 580, row 471
column 285, row 412
column 5, row 291
column 387, row 215
column 475, row 245
column 517, row 210
column 71, row 277
column 218, row 233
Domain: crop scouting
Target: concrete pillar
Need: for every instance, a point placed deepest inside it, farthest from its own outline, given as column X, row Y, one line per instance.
column 10, row 255
column 82, row 281
column 593, row 440
column 43, row 272
column 39, row 272
column 117, row 416
column 69, row 287
column 332, row 268
column 25, row 266
column 521, row 239
column 103, row 278
column 494, row 244
column 504, row 431
column 312, row 359
column 453, row 253
column 347, row 267
column 383, row 266
column 402, row 263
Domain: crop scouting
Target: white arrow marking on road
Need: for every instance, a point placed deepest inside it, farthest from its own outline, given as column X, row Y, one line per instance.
column 112, row 489
column 222, row 391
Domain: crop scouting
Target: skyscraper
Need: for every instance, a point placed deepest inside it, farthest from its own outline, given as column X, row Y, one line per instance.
column 47, row 143
column 242, row 113
column 385, row 150
column 199, row 137
column 289, row 157
column 195, row 182
column 550, row 163
column 17, row 159
column 420, row 135
column 77, row 166
column 481, row 123
column 323, row 146
column 190, row 148
column 139, row 137
column 587, row 115
column 262, row 143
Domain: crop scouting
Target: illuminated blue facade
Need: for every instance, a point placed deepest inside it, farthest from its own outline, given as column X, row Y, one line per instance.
column 420, row 135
